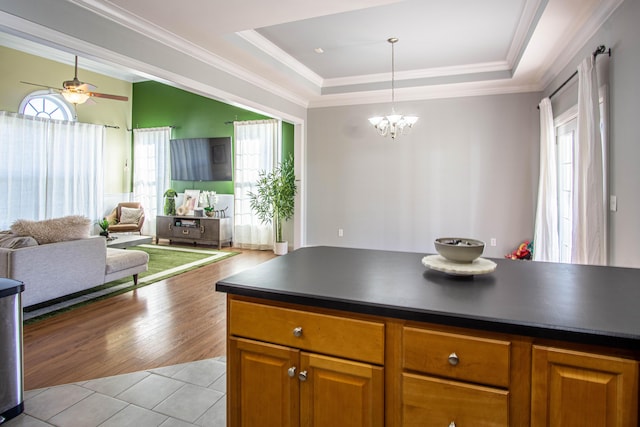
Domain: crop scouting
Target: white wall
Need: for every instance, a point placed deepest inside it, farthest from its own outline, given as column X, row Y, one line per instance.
column 621, row 32
column 469, row 168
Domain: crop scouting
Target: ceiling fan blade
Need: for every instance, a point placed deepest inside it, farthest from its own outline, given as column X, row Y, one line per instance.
column 38, row 84
column 86, row 87
column 107, row 96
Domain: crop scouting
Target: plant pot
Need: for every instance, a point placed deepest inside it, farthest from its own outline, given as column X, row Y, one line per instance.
column 281, row 248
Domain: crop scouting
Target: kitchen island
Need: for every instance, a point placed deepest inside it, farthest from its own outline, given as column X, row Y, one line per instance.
column 528, row 344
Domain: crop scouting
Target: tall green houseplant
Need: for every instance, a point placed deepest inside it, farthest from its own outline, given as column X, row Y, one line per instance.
column 274, row 199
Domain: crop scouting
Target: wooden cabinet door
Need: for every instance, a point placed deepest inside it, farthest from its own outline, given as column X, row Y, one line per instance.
column 261, row 392
column 582, row 389
column 210, row 229
column 163, row 227
column 340, row 393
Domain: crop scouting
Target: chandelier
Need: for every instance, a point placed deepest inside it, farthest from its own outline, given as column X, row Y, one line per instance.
column 394, row 123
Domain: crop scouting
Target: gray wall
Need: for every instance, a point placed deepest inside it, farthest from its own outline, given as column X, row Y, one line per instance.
column 621, row 32
column 468, row 168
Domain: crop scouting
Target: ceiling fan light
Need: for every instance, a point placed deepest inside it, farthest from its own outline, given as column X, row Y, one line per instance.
column 75, row 97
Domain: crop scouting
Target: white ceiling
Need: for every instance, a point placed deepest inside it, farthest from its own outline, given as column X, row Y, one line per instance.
column 445, row 48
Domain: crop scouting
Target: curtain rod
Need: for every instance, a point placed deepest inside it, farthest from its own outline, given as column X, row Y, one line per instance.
column 599, row 50
column 172, row 127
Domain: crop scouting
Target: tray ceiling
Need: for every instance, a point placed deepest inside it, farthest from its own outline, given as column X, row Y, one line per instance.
column 445, row 47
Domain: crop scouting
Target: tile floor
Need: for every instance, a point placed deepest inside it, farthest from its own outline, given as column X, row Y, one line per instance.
column 190, row 394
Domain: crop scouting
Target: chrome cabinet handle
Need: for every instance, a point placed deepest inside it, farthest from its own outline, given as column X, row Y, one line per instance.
column 453, row 361
column 302, row 376
column 291, row 371
column 297, row 331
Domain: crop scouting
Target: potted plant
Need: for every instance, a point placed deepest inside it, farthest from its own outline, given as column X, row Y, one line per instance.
column 209, row 198
column 104, row 225
column 274, row 199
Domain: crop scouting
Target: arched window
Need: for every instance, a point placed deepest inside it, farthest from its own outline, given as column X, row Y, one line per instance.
column 43, row 103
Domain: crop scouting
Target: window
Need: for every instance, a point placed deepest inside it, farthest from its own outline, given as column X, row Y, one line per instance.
column 257, row 146
column 151, row 171
column 57, row 163
column 565, row 139
column 44, row 104
column 566, row 128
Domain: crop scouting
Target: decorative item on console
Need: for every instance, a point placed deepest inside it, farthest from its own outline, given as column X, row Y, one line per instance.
column 190, row 202
column 170, row 202
column 208, row 199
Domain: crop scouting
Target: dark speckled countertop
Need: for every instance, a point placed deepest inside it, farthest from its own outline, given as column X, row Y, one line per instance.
column 587, row 304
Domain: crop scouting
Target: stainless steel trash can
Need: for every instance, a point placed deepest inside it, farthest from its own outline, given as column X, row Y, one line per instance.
column 11, row 375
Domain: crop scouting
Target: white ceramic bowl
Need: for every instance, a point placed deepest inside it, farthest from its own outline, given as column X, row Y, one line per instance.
column 459, row 249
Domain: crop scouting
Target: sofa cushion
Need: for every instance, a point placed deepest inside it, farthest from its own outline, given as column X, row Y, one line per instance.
column 122, row 259
column 54, row 230
column 9, row 240
column 129, row 215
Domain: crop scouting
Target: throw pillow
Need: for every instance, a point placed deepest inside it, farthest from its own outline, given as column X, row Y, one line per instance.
column 9, row 240
column 129, row 215
column 54, row 230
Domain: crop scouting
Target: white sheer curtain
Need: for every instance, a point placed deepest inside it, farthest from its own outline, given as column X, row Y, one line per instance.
column 151, row 172
column 545, row 240
column 77, row 150
column 589, row 198
column 50, row 168
column 257, row 145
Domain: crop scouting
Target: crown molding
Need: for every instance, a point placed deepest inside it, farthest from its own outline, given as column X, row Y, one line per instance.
column 269, row 48
column 458, row 90
column 529, row 19
column 566, row 52
column 418, row 74
column 173, row 41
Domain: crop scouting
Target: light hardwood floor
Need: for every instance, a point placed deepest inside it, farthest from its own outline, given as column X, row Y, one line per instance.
column 177, row 320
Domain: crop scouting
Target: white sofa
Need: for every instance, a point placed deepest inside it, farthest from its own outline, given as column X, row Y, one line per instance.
column 53, row 270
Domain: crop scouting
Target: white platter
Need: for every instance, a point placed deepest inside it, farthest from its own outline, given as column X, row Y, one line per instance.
column 478, row 266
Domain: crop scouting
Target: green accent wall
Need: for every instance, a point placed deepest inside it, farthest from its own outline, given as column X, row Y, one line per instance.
column 194, row 116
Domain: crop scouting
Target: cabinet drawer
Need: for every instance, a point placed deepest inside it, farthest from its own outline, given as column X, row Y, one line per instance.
column 457, row 356
column 333, row 335
column 187, row 232
column 430, row 401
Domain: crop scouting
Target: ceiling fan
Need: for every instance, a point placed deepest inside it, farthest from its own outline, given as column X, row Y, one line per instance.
column 77, row 92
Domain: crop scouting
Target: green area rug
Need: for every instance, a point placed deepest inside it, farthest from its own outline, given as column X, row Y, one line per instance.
column 164, row 262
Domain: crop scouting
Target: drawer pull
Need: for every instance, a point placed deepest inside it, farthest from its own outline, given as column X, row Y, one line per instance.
column 291, row 371
column 297, row 331
column 302, row 376
column 453, row 361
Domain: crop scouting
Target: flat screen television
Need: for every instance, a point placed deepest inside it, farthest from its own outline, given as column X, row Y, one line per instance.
column 201, row 159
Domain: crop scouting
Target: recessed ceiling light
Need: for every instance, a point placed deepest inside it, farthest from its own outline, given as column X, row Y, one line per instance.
column 318, row 50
